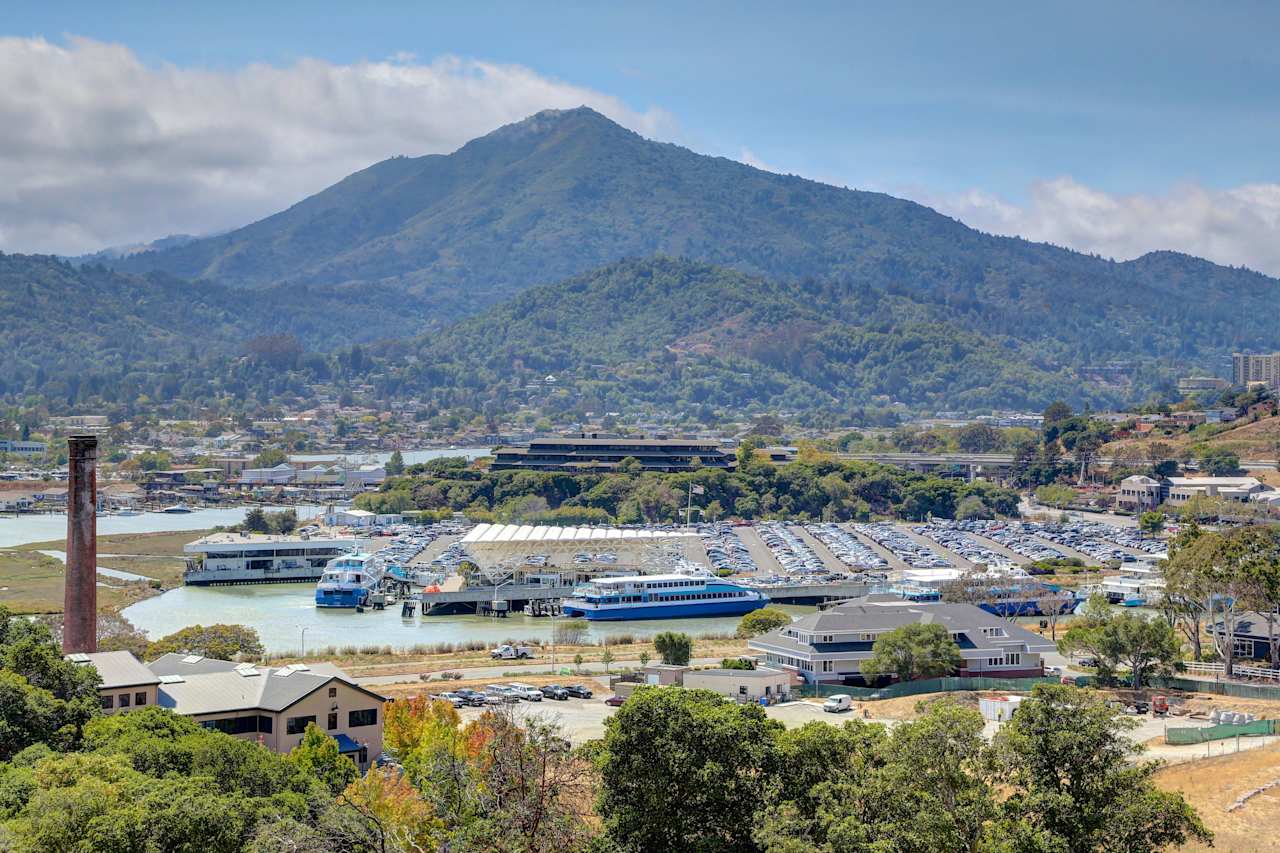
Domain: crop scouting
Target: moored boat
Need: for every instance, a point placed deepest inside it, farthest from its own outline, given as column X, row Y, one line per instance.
column 670, row 596
column 348, row 581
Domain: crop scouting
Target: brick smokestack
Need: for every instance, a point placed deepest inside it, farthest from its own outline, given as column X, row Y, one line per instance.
column 80, row 600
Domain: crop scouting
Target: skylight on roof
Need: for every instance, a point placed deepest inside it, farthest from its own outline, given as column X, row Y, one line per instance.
column 193, row 659
column 78, row 657
column 171, row 679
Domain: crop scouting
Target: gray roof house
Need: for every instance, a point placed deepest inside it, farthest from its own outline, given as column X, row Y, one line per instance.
column 830, row 646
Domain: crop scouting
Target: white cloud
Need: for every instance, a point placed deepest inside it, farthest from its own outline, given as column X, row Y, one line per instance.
column 1239, row 226
column 99, row 149
column 747, row 156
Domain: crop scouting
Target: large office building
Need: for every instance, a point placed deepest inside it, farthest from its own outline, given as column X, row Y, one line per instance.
column 587, row 452
column 830, row 646
column 1248, row 368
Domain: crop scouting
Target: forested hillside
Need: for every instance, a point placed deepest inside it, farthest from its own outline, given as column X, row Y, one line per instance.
column 565, row 192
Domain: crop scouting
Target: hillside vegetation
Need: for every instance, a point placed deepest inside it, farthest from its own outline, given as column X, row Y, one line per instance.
column 643, row 273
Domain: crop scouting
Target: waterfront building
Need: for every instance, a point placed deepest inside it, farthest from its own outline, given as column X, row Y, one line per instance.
column 243, row 558
column 594, row 452
column 23, row 448
column 1140, row 493
column 830, row 646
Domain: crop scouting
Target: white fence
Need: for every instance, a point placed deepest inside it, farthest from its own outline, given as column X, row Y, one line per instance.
column 1217, row 672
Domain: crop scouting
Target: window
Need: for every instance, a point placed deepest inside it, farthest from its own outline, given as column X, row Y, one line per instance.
column 1012, row 659
column 826, row 666
column 108, row 702
column 233, row 725
column 995, row 662
column 333, row 720
column 1243, row 648
column 742, row 690
column 264, row 725
column 124, row 700
column 298, row 725
column 368, row 717
column 333, row 692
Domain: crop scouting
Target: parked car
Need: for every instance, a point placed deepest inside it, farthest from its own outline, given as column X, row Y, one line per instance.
column 527, row 692
column 470, row 697
column 578, row 691
column 509, row 652
column 500, row 694
column 452, row 698
column 615, row 701
column 555, row 691
column 838, row 703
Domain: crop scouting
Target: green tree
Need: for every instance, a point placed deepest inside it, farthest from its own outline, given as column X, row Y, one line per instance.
column 224, row 642
column 1056, row 412
column 1073, row 786
column 978, row 438
column 255, row 521
column 1219, row 462
column 1139, row 643
column 913, row 651
column 762, row 621
column 318, row 755
column 606, row 657
column 395, row 465
column 1151, row 523
column 1056, row 496
column 674, row 648
column 701, row 763
column 269, row 457
column 971, row 508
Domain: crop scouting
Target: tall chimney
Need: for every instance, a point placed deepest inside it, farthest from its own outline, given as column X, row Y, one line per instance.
column 80, row 600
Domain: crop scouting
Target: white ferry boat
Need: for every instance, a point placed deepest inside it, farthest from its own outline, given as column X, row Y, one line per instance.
column 348, row 580
column 672, row 596
column 245, row 558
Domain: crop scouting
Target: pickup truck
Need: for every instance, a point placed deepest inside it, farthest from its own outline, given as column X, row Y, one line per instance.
column 509, row 652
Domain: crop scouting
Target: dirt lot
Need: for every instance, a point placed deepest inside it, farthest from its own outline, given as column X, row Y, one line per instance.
column 1212, row 784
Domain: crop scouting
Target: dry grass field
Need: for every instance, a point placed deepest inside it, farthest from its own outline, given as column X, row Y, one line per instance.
column 1212, row 784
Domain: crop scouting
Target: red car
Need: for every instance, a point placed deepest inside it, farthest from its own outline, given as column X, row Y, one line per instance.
column 615, row 701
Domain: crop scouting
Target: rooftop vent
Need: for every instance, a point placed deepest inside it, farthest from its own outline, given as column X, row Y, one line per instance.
column 171, row 679
column 193, row 659
column 247, row 669
column 78, row 657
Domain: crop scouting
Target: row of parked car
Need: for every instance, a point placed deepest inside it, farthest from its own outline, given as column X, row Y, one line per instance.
column 1079, row 536
column 725, row 548
column 849, row 549
column 1129, row 537
column 902, row 546
column 507, row 694
column 959, row 542
column 1012, row 537
column 792, row 553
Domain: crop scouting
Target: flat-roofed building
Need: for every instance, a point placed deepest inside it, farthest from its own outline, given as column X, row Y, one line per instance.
column 240, row 558
column 126, row 681
column 1140, row 493
column 831, row 646
column 587, row 452
column 1242, row 489
column 1250, row 368
column 1196, row 384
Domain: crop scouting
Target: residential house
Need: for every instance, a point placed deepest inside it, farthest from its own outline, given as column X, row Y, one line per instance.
column 830, row 646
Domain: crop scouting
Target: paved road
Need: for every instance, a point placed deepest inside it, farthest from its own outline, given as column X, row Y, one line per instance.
column 509, row 669
column 760, row 552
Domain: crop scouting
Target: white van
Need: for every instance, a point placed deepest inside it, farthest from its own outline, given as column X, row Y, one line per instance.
column 526, row 692
column 838, row 703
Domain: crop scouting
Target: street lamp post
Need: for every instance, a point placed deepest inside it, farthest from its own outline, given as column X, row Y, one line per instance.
column 304, row 640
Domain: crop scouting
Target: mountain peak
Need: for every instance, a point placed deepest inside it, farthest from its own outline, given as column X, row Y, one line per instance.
column 549, row 121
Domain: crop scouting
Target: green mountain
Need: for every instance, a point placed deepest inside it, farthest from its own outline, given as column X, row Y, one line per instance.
column 88, row 333
column 565, row 192
column 791, row 293
column 673, row 334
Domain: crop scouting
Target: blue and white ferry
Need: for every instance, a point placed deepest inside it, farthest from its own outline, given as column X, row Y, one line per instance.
column 661, row 597
column 348, row 580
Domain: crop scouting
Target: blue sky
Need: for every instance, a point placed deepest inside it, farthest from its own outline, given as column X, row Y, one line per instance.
column 1016, row 117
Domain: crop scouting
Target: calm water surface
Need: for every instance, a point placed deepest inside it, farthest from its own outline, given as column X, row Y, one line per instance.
column 41, row 528
column 279, row 612
column 411, row 457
